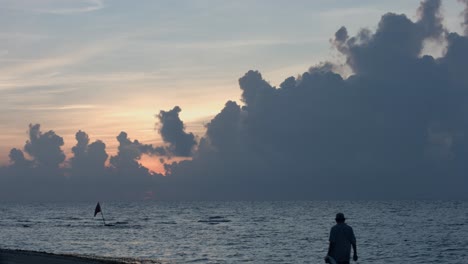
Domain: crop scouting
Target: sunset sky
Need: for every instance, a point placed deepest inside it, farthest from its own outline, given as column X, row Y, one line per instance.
column 233, row 99
column 110, row 66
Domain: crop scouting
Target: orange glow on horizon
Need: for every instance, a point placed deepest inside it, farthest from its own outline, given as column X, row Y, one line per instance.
column 155, row 166
column 152, row 163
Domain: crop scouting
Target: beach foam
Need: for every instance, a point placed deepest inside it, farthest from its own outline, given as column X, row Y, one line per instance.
column 8, row 256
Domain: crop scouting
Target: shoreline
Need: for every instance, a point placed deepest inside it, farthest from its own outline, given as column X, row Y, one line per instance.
column 17, row 256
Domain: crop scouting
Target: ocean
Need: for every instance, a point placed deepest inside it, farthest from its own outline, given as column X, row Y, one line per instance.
column 241, row 232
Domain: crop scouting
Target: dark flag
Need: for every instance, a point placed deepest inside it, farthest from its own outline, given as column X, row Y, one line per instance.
column 97, row 210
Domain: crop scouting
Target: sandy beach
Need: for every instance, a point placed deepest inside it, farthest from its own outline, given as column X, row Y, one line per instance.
column 31, row 257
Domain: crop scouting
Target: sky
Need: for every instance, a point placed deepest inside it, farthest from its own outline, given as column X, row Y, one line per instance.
column 201, row 92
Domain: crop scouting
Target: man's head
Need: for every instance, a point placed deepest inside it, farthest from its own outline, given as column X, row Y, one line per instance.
column 340, row 218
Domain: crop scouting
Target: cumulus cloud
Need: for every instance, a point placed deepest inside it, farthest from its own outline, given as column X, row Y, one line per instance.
column 45, row 175
column 18, row 160
column 130, row 153
column 394, row 129
column 172, row 130
column 465, row 16
column 45, row 148
column 430, row 18
column 397, row 41
column 88, row 159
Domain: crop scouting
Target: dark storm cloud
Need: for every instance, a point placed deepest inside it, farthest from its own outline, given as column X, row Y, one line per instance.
column 430, row 18
column 397, row 41
column 396, row 128
column 88, row 159
column 465, row 16
column 85, row 176
column 18, row 160
column 130, row 152
column 45, row 148
column 173, row 132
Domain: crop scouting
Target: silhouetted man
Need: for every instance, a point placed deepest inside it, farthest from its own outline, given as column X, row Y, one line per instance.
column 341, row 240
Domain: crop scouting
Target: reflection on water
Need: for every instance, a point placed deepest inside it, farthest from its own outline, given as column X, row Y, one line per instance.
column 232, row 232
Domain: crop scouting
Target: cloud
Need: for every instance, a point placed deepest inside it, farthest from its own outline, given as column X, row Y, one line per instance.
column 172, row 130
column 88, row 159
column 40, row 71
column 349, row 12
column 396, row 128
column 465, row 16
column 58, row 7
column 430, row 18
column 18, row 160
column 45, row 148
column 130, row 152
column 59, row 107
column 85, row 176
column 368, row 52
column 393, row 129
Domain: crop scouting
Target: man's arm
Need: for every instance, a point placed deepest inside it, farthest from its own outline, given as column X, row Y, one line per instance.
column 332, row 240
column 331, row 246
column 353, row 243
column 355, row 257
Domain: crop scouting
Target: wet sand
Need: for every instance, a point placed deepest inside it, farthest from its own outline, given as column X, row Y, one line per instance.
column 31, row 257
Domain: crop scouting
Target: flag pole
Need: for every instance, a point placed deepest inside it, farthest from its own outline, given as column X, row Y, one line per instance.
column 102, row 214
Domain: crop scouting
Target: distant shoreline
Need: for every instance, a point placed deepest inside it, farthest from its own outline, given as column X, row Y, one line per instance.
column 14, row 256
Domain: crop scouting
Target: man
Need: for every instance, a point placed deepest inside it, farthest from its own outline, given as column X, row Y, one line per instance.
column 341, row 240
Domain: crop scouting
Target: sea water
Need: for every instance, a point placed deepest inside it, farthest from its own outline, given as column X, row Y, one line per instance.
column 240, row 232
